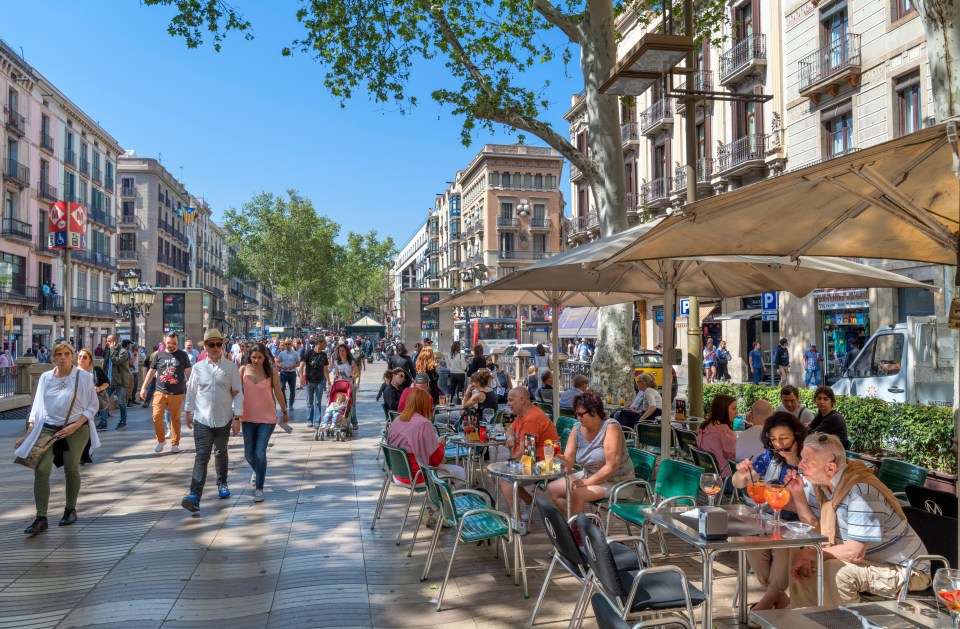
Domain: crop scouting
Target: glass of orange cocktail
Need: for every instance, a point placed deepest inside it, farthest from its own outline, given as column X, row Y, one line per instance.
column 777, row 497
column 711, row 484
column 946, row 583
column 756, row 491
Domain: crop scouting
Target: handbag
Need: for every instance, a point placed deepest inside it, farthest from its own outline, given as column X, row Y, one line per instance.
column 44, row 442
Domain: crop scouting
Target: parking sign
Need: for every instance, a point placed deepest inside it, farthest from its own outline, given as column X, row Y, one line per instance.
column 684, row 307
column 769, row 306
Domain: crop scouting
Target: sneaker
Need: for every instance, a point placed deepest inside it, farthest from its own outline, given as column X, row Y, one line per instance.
column 175, row 449
column 121, row 427
column 520, row 528
column 101, row 425
column 258, row 495
column 310, row 424
column 166, row 435
column 191, row 502
column 159, row 448
column 222, row 490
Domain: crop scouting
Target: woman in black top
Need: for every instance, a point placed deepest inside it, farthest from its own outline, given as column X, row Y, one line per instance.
column 401, row 360
column 478, row 361
column 828, row 420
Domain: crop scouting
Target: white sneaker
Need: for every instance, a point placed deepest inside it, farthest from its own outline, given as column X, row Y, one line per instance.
column 175, row 449
column 167, row 434
column 258, row 495
column 159, row 448
column 520, row 528
column 253, row 479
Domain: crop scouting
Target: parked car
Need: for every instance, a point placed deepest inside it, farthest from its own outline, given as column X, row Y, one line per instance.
column 650, row 361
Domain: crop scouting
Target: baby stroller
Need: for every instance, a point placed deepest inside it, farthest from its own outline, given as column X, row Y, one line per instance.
column 341, row 429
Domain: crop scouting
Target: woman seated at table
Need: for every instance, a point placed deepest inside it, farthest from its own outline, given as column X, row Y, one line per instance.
column 413, row 432
column 646, row 406
column 782, row 437
column 479, row 394
column 597, row 444
column 715, row 434
column 828, row 420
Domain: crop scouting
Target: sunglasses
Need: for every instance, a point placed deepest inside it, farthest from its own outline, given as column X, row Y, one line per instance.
column 214, row 344
column 580, row 413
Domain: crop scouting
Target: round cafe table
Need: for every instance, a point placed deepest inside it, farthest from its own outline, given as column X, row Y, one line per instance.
column 474, row 448
column 510, row 471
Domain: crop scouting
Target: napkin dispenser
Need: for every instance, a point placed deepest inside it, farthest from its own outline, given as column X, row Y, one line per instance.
column 713, row 523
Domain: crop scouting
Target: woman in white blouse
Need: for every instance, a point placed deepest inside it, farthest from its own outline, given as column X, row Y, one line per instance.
column 55, row 391
column 457, row 365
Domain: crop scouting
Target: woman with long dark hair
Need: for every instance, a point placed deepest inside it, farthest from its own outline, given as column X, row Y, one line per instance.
column 344, row 367
column 402, row 360
column 715, row 434
column 261, row 391
column 478, row 361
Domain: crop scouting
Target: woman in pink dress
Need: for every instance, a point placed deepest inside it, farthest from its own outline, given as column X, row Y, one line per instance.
column 715, row 434
column 261, row 391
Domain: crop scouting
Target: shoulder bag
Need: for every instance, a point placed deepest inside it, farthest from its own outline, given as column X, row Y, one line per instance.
column 44, row 441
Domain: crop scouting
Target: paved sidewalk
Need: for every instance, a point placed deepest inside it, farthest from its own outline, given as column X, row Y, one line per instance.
column 305, row 557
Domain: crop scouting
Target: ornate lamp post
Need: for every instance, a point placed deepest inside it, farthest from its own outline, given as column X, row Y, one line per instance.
column 132, row 299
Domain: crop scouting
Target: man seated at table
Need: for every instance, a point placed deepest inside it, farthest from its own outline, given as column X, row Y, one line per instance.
column 580, row 384
column 530, row 420
column 422, row 382
column 851, row 506
column 748, row 441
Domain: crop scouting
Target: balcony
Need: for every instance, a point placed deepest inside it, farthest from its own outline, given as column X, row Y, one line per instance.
column 99, row 215
column 46, row 192
column 705, row 169
column 655, row 194
column 50, row 304
column 128, row 220
column 92, row 308
column 629, row 134
column 16, row 172
column 96, row 174
column 108, row 183
column 15, row 122
column 701, row 82
column 657, row 117
column 12, row 228
column 128, row 192
column 478, row 227
column 742, row 155
column 825, row 70
column 84, row 165
column 96, row 258
column 70, row 158
column 20, row 293
column 524, row 256
column 593, row 220
column 540, row 223
column 630, row 200
column 506, row 222
column 745, row 57
column 46, row 142
column 433, row 249
column 127, row 255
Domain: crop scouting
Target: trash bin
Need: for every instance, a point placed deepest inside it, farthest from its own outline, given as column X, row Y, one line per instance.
column 443, row 379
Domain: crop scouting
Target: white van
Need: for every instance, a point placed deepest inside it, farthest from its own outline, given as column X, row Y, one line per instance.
column 904, row 362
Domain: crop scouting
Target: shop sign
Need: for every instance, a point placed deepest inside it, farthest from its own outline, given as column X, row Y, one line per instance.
column 658, row 314
column 842, row 299
column 750, row 303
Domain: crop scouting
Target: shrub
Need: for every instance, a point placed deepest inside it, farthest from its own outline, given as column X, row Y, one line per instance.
column 918, row 434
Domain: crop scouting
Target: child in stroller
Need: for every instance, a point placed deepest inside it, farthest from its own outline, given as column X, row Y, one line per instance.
column 336, row 418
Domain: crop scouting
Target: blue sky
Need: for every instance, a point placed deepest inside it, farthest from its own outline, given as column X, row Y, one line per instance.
column 247, row 119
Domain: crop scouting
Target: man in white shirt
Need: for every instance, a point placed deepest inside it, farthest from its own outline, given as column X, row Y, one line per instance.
column 748, row 443
column 214, row 404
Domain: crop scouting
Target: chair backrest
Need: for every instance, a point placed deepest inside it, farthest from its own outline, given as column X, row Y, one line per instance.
column 686, row 439
column 546, row 408
column 564, row 435
column 936, row 532
column 854, row 455
column 433, row 491
column 445, row 495
column 397, row 461
column 649, row 435
column 937, row 502
column 565, row 422
column 704, row 459
column 897, row 474
column 644, row 463
column 386, row 412
column 607, row 615
column 560, row 535
column 599, row 557
column 676, row 478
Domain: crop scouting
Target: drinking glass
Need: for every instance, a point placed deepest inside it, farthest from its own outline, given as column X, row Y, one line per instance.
column 946, row 583
column 777, row 497
column 756, row 491
column 548, row 457
column 711, row 485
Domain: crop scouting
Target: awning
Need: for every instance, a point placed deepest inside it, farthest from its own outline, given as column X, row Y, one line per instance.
column 578, row 322
column 740, row 315
column 705, row 311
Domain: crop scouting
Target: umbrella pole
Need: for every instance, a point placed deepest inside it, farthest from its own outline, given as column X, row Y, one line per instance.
column 666, row 414
column 555, row 354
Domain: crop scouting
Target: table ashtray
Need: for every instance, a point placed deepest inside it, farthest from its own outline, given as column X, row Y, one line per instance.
column 797, row 529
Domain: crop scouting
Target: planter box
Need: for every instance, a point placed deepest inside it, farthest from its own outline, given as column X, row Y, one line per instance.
column 941, row 481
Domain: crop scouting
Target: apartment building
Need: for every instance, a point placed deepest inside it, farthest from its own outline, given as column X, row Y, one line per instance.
column 53, row 151
column 807, row 81
column 410, row 270
column 209, row 269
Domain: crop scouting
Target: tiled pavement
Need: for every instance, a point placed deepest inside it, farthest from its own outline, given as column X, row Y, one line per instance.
column 305, row 557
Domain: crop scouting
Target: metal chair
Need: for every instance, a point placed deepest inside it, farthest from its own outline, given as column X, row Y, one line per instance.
column 685, row 439
column 607, row 616
column 398, row 466
column 662, row 592
column 463, row 499
column 896, row 475
column 475, row 525
column 939, row 536
column 648, row 436
column 546, row 408
column 644, row 464
column 568, row 556
column 564, row 435
column 710, row 465
column 565, row 422
column 936, row 502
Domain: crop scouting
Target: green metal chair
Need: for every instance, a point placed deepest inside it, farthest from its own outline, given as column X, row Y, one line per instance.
column 630, row 436
column 463, row 499
column 896, row 475
column 398, row 465
column 685, row 439
column 710, row 465
column 564, row 435
column 565, row 422
column 473, row 525
column 648, row 436
column 644, row 465
column 854, row 455
column 546, row 408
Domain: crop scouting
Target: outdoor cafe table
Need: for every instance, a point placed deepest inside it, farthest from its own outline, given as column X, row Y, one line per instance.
column 744, row 534
column 507, row 471
column 908, row 614
column 474, row 448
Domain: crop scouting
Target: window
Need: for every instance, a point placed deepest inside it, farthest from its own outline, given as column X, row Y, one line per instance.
column 507, row 242
column 882, row 357
column 12, row 100
column 834, row 25
column 128, row 242
column 538, row 181
column 12, row 270
column 94, row 287
column 505, row 180
column 660, row 162
column 70, row 186
column 838, row 131
column 539, row 211
column 11, row 204
column 909, row 114
column 126, row 182
column 743, row 25
column 81, row 291
column 44, row 172
column 506, row 210
column 902, row 9
column 540, row 243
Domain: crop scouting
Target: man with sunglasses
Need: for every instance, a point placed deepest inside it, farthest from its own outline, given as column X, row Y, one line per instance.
column 213, row 407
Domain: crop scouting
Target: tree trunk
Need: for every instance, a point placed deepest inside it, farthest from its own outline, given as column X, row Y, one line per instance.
column 612, row 368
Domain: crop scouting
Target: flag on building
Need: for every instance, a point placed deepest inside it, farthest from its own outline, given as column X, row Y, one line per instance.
column 189, row 214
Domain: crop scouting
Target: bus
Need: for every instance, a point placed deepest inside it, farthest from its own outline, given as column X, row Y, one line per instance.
column 487, row 331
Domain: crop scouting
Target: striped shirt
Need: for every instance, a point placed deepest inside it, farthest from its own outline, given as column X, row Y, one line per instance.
column 865, row 516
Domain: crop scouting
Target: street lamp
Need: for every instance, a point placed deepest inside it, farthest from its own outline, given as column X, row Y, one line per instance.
column 132, row 299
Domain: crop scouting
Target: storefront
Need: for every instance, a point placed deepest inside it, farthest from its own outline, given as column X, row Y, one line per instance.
column 844, row 319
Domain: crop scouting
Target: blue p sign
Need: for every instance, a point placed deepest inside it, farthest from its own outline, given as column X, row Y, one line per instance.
column 684, row 307
column 769, row 301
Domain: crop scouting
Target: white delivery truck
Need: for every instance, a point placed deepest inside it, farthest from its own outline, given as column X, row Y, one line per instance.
column 904, row 362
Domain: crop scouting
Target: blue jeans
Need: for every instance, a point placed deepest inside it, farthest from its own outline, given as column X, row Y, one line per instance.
column 757, row 374
column 814, row 375
column 289, row 378
column 315, row 389
column 121, row 393
column 255, row 440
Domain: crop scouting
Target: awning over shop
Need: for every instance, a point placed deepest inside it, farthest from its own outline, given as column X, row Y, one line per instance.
column 578, row 322
column 740, row 315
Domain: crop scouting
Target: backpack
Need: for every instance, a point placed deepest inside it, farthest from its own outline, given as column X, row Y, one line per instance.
column 783, row 357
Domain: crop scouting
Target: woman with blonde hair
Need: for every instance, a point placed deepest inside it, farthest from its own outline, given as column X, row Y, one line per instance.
column 64, row 405
column 100, row 381
column 427, row 363
column 413, row 432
